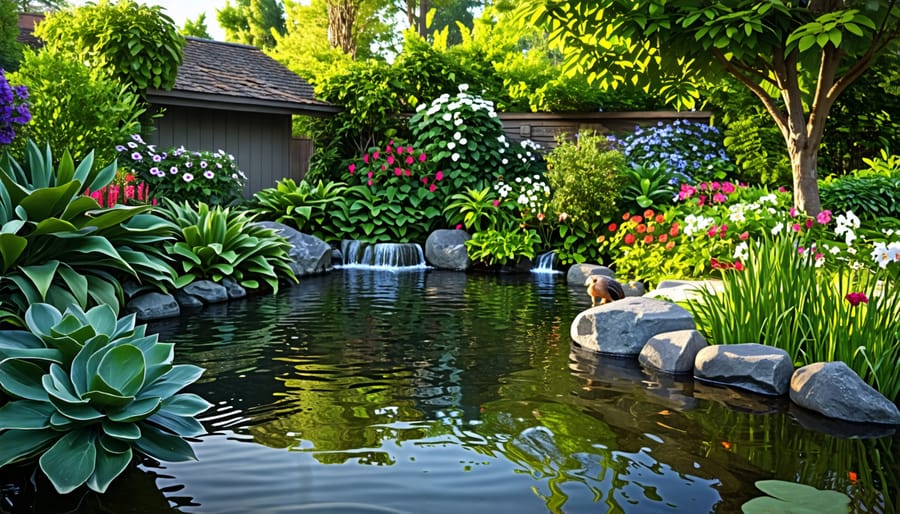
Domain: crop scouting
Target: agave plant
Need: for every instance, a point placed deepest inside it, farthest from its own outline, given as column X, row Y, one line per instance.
column 218, row 243
column 88, row 390
column 60, row 247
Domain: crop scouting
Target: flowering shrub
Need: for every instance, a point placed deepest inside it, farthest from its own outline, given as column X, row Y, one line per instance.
column 690, row 152
column 124, row 189
column 13, row 109
column 181, row 175
column 645, row 246
column 394, row 194
column 464, row 137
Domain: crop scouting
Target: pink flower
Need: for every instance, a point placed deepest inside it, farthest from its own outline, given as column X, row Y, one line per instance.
column 809, row 223
column 376, row 155
column 824, row 217
column 409, row 149
column 439, row 176
column 366, row 158
column 422, row 157
column 715, row 186
column 782, row 189
column 793, row 212
column 703, row 186
column 744, row 235
column 739, row 266
column 712, row 231
column 701, row 199
column 727, row 188
column 801, row 250
column 369, row 182
column 424, row 180
column 352, row 168
column 432, row 188
column 497, row 203
column 409, row 159
column 407, row 173
column 398, row 172
column 399, row 150
column 459, row 226
column 797, row 227
column 856, row 298
column 369, row 174
column 540, row 216
column 390, row 159
column 719, row 198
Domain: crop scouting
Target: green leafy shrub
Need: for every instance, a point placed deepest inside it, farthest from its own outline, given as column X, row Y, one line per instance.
column 88, row 391
column 75, row 108
column 692, row 152
column 850, row 315
column 475, row 210
column 218, row 243
column 182, row 175
column 585, row 177
column 647, row 186
column 303, row 206
column 494, row 247
column 60, row 247
column 869, row 196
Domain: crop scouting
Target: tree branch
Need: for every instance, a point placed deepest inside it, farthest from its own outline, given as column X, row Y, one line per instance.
column 774, row 111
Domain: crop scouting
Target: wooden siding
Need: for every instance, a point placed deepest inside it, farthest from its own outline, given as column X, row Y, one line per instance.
column 542, row 128
column 261, row 143
column 301, row 152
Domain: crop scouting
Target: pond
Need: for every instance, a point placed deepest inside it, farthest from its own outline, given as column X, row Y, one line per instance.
column 368, row 391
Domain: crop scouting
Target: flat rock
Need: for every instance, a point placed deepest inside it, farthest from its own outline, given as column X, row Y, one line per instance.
column 187, row 301
column 234, row 289
column 578, row 273
column 834, row 390
column 624, row 326
column 751, row 366
column 206, row 291
column 151, row 306
column 672, row 352
column 309, row 254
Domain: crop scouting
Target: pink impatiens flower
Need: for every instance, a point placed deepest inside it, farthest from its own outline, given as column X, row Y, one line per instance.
column 432, row 188
column 823, row 217
column 352, row 168
column 422, row 157
column 439, row 176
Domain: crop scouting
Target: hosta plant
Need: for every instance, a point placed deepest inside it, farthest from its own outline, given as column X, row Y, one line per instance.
column 60, row 247
column 217, row 243
column 87, row 391
column 304, row 206
column 494, row 247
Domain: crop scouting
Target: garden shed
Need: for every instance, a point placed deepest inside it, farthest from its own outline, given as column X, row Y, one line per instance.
column 236, row 98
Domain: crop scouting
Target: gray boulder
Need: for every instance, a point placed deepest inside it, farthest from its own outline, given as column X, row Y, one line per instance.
column 310, row 254
column 446, row 249
column 578, row 273
column 672, row 352
column 751, row 366
column 187, row 301
column 836, row 391
column 234, row 289
column 624, row 326
column 206, row 291
column 151, row 306
column 634, row 288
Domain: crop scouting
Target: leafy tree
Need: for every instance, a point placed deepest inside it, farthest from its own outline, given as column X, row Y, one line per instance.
column 74, row 107
column 138, row 44
column 10, row 49
column 252, row 22
column 196, row 28
column 304, row 47
column 797, row 57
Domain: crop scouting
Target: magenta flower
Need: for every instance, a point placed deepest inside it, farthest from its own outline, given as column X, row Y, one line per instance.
column 823, row 217
column 459, row 226
column 398, row 171
column 370, row 174
column 439, row 176
column 809, row 223
column 727, row 188
column 409, row 159
column 797, row 227
column 366, row 158
column 376, row 155
column 352, row 168
column 497, row 203
column 390, row 159
column 399, row 150
column 719, row 198
column 793, row 212
column 432, row 187
column 409, row 149
column 369, row 182
column 407, row 173
column 424, row 180
column 422, row 157
column 857, row 298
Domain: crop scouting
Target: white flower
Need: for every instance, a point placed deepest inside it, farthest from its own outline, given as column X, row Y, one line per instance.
column 447, row 116
column 451, row 145
column 454, row 157
column 463, row 88
column 420, row 107
column 770, row 198
column 777, row 228
column 505, row 161
column 458, row 121
column 741, row 251
column 457, row 136
column 522, row 199
column 518, row 179
column 463, row 141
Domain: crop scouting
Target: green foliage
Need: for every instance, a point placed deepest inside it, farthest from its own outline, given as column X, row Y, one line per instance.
column 816, row 319
column 75, row 108
column 136, row 43
column 62, row 248
column 646, row 186
column 869, row 196
column 576, row 240
column 252, row 22
column 184, row 175
column 585, row 177
column 303, row 206
column 218, row 243
column 788, row 497
column 494, row 247
column 10, row 48
column 475, row 209
column 196, row 28
column 87, row 392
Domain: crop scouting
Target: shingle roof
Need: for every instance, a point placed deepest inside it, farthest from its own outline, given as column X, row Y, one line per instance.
column 230, row 73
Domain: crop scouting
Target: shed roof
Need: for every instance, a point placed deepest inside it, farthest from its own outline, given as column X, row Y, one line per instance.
column 216, row 74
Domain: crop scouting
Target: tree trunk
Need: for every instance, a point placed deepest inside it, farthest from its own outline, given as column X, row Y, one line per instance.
column 806, row 186
column 341, row 18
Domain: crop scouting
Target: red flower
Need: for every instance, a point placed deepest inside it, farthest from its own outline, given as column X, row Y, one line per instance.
column 641, row 228
column 663, row 238
column 648, row 213
column 629, row 239
column 713, row 230
column 744, row 235
column 626, row 216
column 660, row 218
column 857, row 298
column 739, row 266
column 809, row 223
column 648, row 239
column 637, row 219
column 612, row 227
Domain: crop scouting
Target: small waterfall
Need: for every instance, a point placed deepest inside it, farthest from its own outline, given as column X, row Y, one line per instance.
column 388, row 256
column 545, row 262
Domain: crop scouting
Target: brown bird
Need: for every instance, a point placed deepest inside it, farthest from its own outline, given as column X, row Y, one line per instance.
column 605, row 288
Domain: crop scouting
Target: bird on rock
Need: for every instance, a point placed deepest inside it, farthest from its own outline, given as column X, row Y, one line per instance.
column 604, row 288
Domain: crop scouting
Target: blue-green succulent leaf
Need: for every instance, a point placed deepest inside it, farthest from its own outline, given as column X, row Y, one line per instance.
column 137, row 410
column 70, row 461
column 26, row 415
column 19, row 445
column 163, row 446
column 109, row 465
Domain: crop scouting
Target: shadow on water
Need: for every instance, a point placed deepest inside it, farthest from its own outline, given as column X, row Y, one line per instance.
column 437, row 392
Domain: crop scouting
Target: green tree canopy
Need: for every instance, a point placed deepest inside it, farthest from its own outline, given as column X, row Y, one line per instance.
column 196, row 28
column 797, row 57
column 32, row 6
column 252, row 22
column 10, row 49
column 139, row 44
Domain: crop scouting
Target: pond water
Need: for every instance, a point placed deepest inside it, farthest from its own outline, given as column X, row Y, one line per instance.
column 436, row 392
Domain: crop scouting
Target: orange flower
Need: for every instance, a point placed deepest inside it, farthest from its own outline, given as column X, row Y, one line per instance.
column 663, row 238
column 648, row 213
column 660, row 218
column 673, row 231
column 726, row 445
column 852, row 476
column 637, row 219
column 626, row 216
column 629, row 239
column 670, row 245
column 641, row 228
column 600, row 239
column 648, row 239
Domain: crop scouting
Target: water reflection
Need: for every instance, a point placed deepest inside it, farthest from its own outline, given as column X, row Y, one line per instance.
column 437, row 392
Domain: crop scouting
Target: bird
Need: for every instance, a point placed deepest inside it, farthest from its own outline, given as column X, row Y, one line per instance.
column 605, row 288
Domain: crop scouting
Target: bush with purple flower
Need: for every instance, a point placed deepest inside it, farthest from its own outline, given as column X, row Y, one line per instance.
column 183, row 175
column 13, row 109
